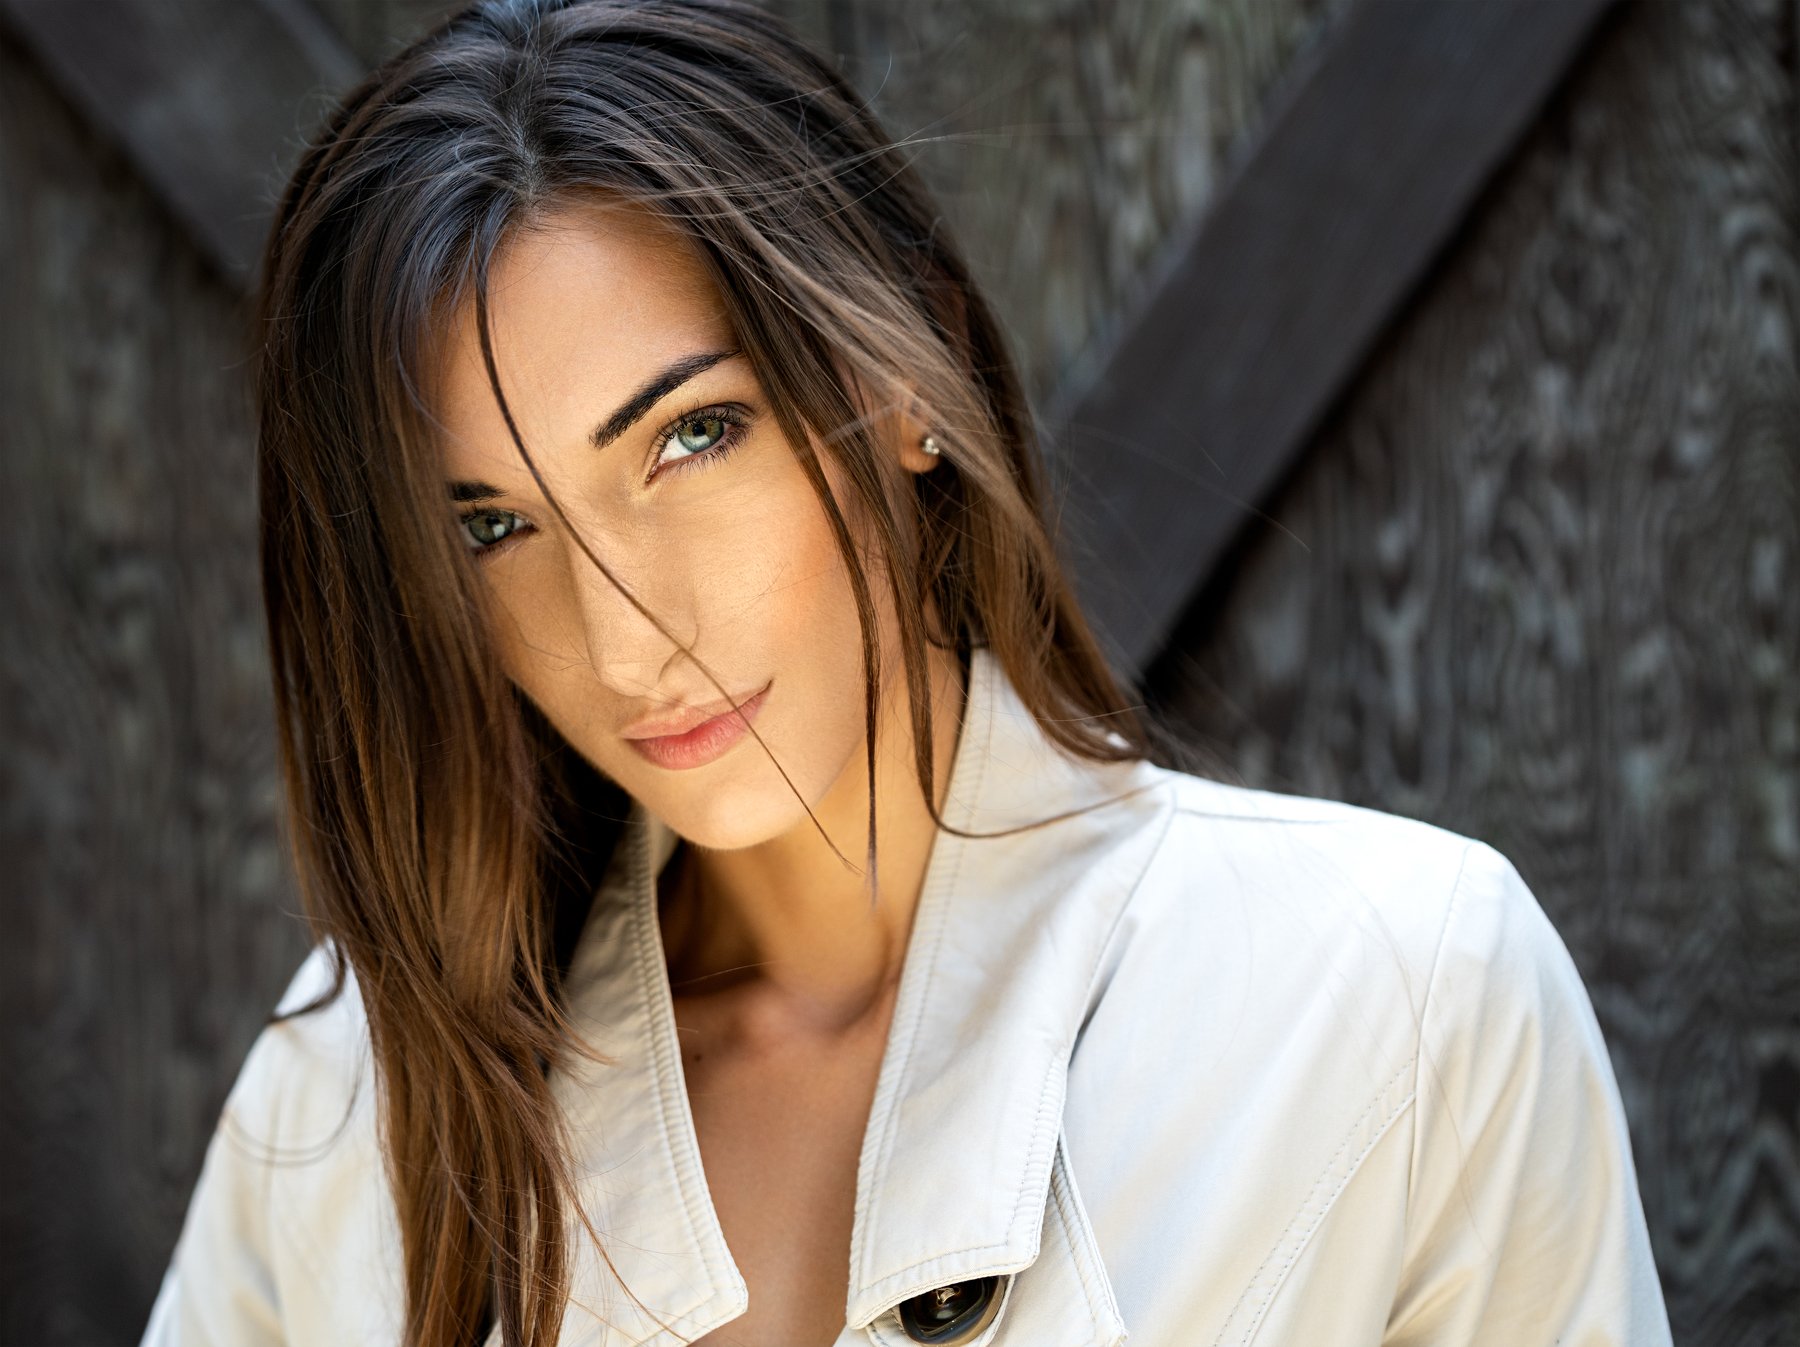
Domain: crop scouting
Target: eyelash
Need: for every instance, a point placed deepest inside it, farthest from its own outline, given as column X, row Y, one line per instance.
column 737, row 425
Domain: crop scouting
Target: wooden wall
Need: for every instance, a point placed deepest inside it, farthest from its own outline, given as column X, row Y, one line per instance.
column 148, row 890
column 1068, row 140
column 1539, row 581
column 1536, row 581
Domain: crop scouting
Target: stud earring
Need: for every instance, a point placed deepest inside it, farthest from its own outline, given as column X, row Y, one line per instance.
column 929, row 446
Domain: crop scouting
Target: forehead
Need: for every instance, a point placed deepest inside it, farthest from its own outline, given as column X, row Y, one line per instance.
column 582, row 306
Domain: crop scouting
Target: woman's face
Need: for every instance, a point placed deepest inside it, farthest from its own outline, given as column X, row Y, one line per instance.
column 618, row 364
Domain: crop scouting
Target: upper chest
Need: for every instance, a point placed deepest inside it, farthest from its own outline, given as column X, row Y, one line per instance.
column 779, row 1118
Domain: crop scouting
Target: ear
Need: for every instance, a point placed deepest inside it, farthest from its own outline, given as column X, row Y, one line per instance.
column 896, row 422
column 946, row 297
column 916, row 443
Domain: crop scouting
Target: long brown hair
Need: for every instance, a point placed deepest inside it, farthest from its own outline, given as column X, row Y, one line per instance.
column 443, row 831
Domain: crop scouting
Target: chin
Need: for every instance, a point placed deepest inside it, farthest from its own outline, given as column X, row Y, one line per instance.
column 717, row 826
column 744, row 804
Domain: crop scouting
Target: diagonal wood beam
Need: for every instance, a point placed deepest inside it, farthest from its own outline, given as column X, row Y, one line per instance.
column 209, row 99
column 1177, row 432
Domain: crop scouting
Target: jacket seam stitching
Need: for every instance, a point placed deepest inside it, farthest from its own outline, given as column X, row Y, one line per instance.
column 1046, row 1113
column 1072, row 1229
column 1437, row 956
column 647, row 966
column 888, row 1104
column 1040, row 1127
column 1306, row 1238
column 1324, row 1176
column 1059, row 1066
column 903, row 1067
column 1105, row 943
column 1412, row 1095
column 1048, row 1116
column 1025, row 1188
column 1193, row 812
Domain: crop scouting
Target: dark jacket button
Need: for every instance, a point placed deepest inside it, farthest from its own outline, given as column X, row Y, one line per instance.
column 950, row 1314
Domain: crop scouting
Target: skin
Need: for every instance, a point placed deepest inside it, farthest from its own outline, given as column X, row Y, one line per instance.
column 784, row 975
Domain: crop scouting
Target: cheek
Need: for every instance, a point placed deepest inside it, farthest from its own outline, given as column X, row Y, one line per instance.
column 802, row 597
column 775, row 603
column 763, row 589
column 749, row 572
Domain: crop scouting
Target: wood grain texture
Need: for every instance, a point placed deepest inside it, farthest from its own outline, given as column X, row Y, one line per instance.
column 1068, row 140
column 1265, row 311
column 1537, row 582
column 148, row 890
column 209, row 99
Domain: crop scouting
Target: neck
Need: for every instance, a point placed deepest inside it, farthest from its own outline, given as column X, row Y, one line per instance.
column 786, row 918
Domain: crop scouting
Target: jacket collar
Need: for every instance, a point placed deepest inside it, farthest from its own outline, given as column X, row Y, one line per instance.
column 964, row 1131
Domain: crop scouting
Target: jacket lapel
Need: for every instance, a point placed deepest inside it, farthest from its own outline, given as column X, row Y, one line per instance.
column 962, row 1173
column 963, row 1139
column 638, row 1155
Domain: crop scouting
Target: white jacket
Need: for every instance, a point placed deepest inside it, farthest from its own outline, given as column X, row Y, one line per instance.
column 1207, row 1065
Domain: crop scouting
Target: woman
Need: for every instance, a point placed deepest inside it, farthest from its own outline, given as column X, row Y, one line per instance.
column 650, row 528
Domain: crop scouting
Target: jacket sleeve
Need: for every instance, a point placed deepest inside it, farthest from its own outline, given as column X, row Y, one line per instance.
column 1524, row 1223
column 220, row 1288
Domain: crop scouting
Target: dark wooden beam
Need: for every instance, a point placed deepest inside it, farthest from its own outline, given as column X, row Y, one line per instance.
column 1175, row 434
column 210, row 99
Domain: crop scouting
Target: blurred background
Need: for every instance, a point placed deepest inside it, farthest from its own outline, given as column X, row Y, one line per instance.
column 1421, row 389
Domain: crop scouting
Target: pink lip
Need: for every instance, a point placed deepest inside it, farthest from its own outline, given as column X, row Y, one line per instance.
column 704, row 742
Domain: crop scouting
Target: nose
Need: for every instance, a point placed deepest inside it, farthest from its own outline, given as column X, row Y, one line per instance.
column 624, row 647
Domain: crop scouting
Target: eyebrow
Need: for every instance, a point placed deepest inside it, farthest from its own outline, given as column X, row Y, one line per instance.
column 654, row 391
column 629, row 413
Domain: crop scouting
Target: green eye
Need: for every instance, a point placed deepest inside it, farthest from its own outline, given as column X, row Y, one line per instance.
column 487, row 527
column 699, row 439
column 697, row 434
